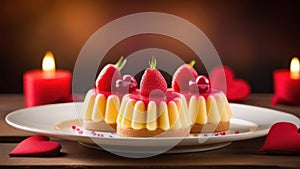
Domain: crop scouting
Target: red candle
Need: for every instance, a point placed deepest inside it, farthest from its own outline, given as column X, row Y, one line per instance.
column 48, row 85
column 287, row 85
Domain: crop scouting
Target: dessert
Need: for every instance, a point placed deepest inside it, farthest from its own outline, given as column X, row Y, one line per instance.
column 209, row 109
column 101, row 104
column 154, row 111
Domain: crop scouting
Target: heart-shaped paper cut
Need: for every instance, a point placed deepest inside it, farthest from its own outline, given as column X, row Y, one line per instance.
column 283, row 137
column 36, row 146
column 235, row 89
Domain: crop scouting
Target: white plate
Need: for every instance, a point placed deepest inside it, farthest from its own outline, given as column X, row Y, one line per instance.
column 57, row 120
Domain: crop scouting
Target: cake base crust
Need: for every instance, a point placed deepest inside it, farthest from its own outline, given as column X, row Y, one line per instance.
column 130, row 132
column 98, row 126
column 210, row 128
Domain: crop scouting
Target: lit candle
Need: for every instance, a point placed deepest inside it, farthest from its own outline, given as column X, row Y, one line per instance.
column 294, row 68
column 47, row 85
column 287, row 84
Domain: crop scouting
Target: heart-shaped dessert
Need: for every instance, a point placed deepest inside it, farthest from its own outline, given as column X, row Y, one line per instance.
column 235, row 89
column 36, row 146
column 283, row 137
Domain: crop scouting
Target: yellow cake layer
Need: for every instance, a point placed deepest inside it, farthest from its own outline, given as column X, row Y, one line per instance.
column 213, row 109
column 97, row 107
column 137, row 115
column 175, row 114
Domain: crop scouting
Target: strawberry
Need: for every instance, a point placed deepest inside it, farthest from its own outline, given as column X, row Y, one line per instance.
column 152, row 81
column 109, row 75
column 182, row 76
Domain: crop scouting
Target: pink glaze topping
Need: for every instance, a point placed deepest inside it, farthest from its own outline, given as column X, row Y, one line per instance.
column 188, row 95
column 169, row 96
column 106, row 94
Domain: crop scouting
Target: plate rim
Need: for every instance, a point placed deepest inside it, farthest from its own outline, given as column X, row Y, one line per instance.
column 59, row 134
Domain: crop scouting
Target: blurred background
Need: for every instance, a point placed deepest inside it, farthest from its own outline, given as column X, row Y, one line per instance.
column 253, row 37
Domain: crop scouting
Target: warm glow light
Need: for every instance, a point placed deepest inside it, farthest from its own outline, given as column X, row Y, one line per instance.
column 295, row 68
column 48, row 64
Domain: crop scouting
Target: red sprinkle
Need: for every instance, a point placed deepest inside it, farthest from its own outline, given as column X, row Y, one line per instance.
column 101, row 135
column 73, row 127
column 223, row 133
column 205, row 135
column 77, row 129
column 237, row 132
column 80, row 132
column 110, row 136
column 216, row 134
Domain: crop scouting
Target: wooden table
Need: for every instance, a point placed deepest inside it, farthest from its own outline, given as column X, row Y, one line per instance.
column 242, row 154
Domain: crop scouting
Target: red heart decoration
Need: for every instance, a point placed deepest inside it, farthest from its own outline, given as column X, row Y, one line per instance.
column 36, row 146
column 235, row 89
column 283, row 137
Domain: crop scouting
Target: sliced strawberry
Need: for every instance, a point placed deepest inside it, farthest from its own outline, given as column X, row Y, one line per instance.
column 152, row 81
column 108, row 76
column 182, row 76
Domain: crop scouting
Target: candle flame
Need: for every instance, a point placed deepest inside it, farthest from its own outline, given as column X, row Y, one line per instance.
column 48, row 64
column 295, row 68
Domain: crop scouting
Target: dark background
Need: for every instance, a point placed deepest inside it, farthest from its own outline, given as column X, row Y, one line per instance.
column 253, row 37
